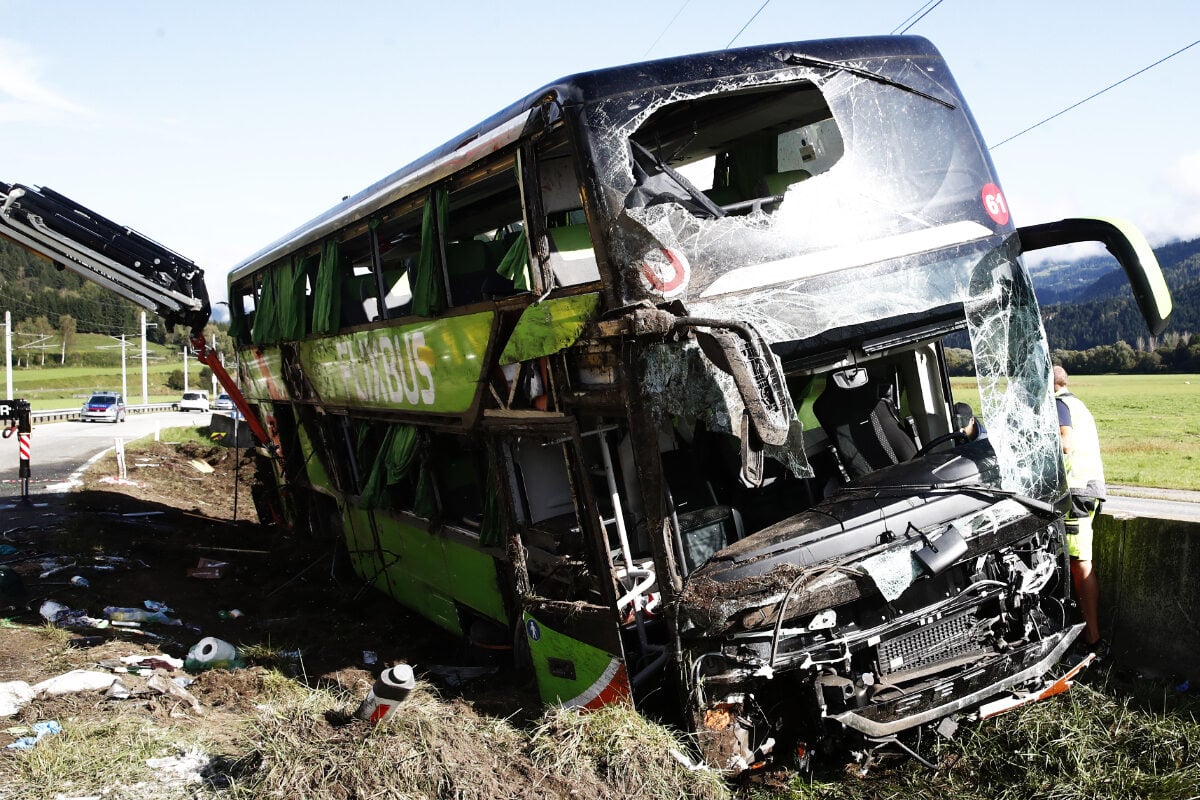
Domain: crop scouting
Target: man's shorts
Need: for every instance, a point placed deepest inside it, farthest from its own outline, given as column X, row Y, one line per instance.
column 1079, row 526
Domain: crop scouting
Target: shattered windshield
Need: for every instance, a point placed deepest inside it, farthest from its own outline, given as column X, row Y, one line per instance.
column 823, row 208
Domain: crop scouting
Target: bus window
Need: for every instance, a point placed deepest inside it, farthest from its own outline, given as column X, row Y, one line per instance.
column 484, row 236
column 359, row 292
column 242, row 304
column 568, row 245
column 544, row 502
column 399, row 235
column 739, row 162
column 458, row 471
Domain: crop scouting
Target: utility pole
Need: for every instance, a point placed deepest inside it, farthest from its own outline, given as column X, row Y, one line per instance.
column 124, row 380
column 213, row 376
column 185, row 375
column 145, row 395
column 8, row 351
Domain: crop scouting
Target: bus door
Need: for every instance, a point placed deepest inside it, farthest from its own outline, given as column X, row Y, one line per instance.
column 562, row 565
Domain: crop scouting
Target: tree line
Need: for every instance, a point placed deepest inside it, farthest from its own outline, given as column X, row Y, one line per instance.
column 51, row 306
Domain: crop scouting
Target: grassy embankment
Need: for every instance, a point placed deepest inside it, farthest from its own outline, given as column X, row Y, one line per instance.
column 1149, row 425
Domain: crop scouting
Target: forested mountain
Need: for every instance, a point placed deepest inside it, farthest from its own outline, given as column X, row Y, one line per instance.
column 1103, row 312
column 39, row 294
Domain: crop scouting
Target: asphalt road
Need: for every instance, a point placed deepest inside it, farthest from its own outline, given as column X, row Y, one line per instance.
column 58, row 449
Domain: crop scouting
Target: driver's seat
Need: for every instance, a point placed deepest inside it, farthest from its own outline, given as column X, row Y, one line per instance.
column 858, row 414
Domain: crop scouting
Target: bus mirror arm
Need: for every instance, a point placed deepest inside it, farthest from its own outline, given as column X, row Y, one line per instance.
column 1126, row 244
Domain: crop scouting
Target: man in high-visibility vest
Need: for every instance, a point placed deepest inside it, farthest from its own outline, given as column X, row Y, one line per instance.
column 1085, row 481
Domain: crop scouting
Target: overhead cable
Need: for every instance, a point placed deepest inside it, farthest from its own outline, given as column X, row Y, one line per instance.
column 664, row 30
column 1093, row 96
column 747, row 25
column 919, row 14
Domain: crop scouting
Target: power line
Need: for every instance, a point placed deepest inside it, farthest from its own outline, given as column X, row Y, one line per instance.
column 664, row 30
column 1093, row 96
column 922, row 11
column 747, row 25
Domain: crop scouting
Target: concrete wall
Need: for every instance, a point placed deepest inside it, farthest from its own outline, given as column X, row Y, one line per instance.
column 1149, row 572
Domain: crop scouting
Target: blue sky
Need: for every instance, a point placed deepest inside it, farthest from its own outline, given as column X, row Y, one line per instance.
column 216, row 127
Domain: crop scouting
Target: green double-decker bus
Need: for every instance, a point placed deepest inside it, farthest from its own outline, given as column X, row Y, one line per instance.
column 644, row 377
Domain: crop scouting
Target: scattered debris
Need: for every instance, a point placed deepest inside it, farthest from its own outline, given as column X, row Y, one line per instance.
column 212, row 653
column 200, row 466
column 457, row 676
column 209, row 569
column 14, row 695
column 165, row 685
column 389, row 691
column 73, row 682
column 40, row 730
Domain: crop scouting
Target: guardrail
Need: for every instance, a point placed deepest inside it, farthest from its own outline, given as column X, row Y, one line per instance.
column 65, row 414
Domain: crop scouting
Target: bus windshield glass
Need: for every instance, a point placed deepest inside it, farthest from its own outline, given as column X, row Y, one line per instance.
column 829, row 209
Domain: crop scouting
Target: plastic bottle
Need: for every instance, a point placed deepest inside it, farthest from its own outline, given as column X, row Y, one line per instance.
column 386, row 695
column 117, row 614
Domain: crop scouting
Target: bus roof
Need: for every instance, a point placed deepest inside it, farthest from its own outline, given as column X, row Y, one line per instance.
column 506, row 126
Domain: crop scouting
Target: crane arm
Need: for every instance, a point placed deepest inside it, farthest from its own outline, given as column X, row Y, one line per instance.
column 122, row 260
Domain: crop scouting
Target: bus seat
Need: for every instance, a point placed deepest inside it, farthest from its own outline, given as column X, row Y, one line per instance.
column 857, row 412
column 398, row 300
column 495, row 285
column 359, row 303
column 706, row 531
column 466, row 265
column 572, row 256
column 777, row 183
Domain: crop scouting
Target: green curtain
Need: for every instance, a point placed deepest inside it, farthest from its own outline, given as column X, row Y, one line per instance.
column 327, row 294
column 393, row 462
column 491, row 531
column 266, row 323
column 515, row 263
column 291, row 299
column 237, row 320
column 429, row 290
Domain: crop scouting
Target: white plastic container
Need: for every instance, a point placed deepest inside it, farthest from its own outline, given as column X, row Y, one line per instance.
column 387, row 694
column 212, row 653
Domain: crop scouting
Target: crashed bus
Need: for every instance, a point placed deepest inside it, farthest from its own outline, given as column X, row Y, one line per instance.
column 644, row 379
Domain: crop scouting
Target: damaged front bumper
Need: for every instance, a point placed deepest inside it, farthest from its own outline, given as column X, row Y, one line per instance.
column 1004, row 672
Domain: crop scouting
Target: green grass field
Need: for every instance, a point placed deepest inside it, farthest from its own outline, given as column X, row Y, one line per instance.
column 1149, row 425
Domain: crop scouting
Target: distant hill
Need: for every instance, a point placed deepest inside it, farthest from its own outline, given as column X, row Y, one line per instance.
column 1088, row 303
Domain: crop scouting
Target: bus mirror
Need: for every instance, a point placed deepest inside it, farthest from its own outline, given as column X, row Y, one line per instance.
column 1127, row 245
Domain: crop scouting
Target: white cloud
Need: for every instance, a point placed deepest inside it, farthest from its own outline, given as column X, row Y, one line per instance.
column 23, row 96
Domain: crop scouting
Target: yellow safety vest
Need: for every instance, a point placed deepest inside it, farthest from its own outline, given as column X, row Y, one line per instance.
column 1085, row 470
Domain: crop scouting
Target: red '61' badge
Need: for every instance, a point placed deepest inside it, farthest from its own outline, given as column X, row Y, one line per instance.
column 995, row 204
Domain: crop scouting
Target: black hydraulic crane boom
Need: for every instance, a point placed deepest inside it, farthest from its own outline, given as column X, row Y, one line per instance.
column 122, row 260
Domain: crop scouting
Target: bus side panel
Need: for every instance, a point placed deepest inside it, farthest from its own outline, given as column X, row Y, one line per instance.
column 572, row 673
column 314, row 468
column 430, row 574
column 365, row 557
